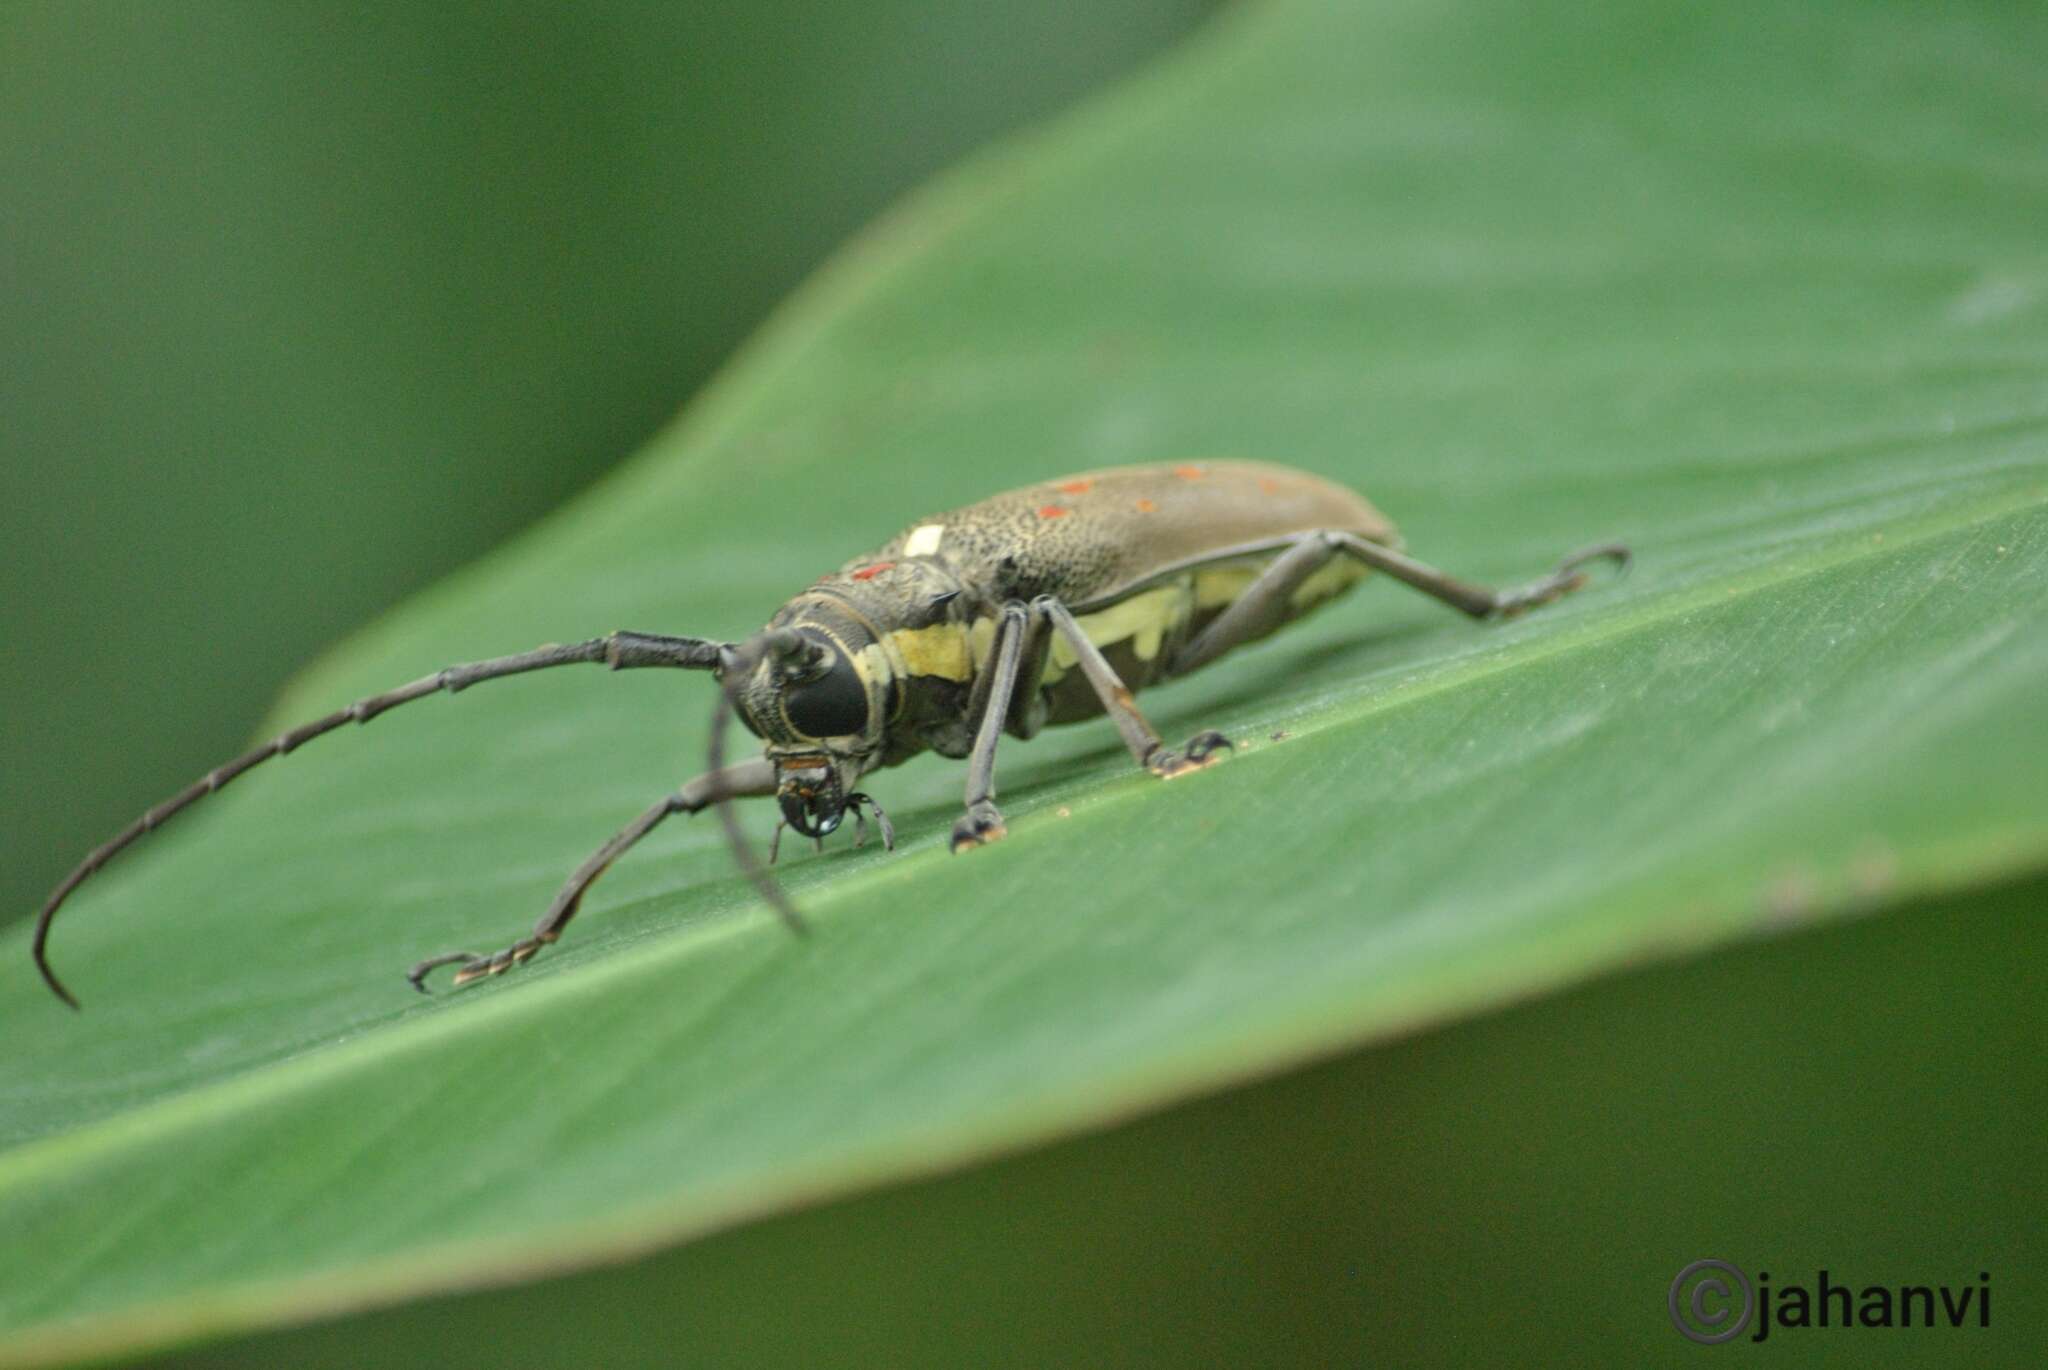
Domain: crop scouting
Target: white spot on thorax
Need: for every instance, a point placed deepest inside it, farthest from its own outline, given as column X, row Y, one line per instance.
column 923, row 540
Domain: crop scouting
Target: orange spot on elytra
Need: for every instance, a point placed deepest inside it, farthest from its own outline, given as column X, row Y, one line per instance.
column 1052, row 511
column 1076, row 487
column 1269, row 485
column 870, row 572
column 1189, row 472
column 1146, row 506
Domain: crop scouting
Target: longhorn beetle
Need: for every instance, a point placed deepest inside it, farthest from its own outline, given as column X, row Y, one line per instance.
column 1044, row 605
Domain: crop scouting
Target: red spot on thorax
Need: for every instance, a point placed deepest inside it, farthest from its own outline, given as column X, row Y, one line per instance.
column 1189, row 472
column 1076, row 487
column 1146, row 506
column 1052, row 511
column 870, row 572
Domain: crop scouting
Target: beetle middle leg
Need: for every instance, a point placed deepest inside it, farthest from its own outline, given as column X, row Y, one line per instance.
column 1017, row 660
column 753, row 777
column 1138, row 735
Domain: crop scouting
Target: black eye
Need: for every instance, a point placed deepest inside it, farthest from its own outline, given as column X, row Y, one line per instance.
column 833, row 705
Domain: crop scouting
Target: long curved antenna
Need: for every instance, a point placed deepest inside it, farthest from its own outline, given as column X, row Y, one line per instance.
column 735, row 671
column 620, row 651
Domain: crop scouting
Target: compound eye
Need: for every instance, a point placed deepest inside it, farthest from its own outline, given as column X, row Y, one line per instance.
column 833, row 705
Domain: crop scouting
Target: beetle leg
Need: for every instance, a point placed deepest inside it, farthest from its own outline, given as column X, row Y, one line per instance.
column 1262, row 607
column 1266, row 602
column 1116, row 699
column 1478, row 600
column 755, row 777
column 1027, row 705
column 1020, row 718
column 983, row 822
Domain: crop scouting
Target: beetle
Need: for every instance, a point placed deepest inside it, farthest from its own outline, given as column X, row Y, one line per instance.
column 1045, row 605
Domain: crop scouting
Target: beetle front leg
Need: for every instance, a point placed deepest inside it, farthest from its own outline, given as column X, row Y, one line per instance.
column 755, row 777
column 983, row 822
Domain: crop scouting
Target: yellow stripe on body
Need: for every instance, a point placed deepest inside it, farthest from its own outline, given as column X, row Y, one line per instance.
column 954, row 651
column 1143, row 620
column 1334, row 577
column 941, row 650
column 1216, row 586
column 1219, row 586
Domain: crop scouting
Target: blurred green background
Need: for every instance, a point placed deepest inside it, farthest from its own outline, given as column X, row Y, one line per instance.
column 303, row 306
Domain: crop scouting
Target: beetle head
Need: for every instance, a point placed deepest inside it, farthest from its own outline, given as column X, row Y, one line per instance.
column 811, row 697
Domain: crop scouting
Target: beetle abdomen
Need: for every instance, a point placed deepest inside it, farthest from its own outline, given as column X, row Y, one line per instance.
column 1143, row 632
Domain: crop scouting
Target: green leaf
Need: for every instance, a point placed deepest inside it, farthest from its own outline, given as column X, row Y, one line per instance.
column 1763, row 295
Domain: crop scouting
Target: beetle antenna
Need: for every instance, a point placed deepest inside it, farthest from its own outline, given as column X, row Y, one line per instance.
column 796, row 657
column 736, row 668
column 620, row 651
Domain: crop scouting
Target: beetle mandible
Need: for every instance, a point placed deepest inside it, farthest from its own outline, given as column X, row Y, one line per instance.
column 1044, row 605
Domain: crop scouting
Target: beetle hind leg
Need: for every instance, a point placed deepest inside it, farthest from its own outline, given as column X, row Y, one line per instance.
column 1268, row 602
column 1478, row 600
column 1560, row 582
